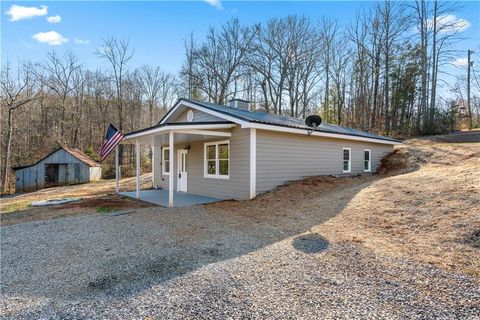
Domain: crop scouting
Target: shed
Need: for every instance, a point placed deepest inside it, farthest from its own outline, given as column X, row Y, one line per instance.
column 63, row 166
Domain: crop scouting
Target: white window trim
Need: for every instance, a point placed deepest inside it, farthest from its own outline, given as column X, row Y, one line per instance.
column 369, row 160
column 349, row 160
column 163, row 162
column 217, row 167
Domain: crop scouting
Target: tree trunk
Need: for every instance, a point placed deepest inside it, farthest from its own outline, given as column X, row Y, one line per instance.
column 431, row 113
column 8, row 149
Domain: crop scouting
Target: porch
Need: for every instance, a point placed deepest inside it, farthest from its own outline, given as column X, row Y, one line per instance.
column 160, row 197
column 170, row 150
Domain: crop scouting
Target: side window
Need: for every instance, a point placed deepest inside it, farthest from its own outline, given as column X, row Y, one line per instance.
column 166, row 161
column 367, row 162
column 347, row 163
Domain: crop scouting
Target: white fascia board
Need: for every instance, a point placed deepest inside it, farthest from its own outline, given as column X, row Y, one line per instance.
column 205, row 133
column 319, row 133
column 206, row 110
column 176, row 128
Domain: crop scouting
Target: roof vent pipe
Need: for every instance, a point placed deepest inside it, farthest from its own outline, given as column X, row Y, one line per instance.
column 239, row 104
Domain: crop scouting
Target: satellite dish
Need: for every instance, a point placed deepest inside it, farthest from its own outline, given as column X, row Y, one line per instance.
column 313, row 121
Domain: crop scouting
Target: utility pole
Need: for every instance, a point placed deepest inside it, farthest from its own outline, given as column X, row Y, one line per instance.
column 469, row 66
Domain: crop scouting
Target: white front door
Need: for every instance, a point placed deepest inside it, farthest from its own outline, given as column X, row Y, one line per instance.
column 182, row 174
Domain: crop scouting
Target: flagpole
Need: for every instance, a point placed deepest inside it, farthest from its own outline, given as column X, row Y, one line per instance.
column 117, row 185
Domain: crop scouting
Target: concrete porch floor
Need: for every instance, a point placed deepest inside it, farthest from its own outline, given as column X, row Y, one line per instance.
column 180, row 199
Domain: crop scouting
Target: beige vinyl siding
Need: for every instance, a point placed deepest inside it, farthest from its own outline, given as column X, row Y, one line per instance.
column 199, row 116
column 238, row 184
column 283, row 157
column 157, row 174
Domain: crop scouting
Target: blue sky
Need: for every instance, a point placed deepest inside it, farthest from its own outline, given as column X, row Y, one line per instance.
column 157, row 29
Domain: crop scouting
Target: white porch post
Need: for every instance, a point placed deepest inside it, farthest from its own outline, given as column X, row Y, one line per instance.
column 253, row 163
column 171, row 171
column 153, row 162
column 137, row 152
column 117, row 186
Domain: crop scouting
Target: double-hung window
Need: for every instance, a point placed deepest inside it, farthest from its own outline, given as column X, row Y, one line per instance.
column 166, row 161
column 217, row 160
column 347, row 160
column 367, row 162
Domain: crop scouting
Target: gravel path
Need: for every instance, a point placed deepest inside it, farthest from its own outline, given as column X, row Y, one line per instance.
column 199, row 263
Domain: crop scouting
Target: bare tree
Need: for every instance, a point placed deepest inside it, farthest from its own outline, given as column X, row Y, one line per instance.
column 220, row 59
column 151, row 82
column 60, row 80
column 303, row 54
column 118, row 54
column 328, row 29
column 16, row 91
column 158, row 88
column 394, row 25
column 267, row 61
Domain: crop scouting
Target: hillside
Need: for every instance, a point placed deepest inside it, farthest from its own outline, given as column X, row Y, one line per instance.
column 431, row 214
column 425, row 204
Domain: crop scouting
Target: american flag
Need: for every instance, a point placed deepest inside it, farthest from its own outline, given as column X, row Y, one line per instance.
column 112, row 138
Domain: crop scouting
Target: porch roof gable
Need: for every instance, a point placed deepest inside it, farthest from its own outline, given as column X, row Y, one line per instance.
column 181, row 126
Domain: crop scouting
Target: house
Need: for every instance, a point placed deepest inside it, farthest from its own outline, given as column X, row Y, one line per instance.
column 230, row 152
column 63, row 166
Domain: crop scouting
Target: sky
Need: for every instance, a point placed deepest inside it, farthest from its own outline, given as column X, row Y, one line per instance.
column 157, row 29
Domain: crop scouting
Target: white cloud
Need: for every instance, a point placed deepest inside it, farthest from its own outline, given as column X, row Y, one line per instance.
column 450, row 23
column 215, row 3
column 460, row 62
column 17, row 12
column 52, row 38
column 54, row 19
column 80, row 41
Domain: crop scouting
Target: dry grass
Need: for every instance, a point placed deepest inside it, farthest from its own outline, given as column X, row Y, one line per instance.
column 84, row 191
column 425, row 206
column 86, row 206
column 431, row 214
column 97, row 197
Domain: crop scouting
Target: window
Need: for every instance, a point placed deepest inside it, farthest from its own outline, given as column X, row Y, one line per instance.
column 367, row 166
column 166, row 161
column 347, row 167
column 217, row 160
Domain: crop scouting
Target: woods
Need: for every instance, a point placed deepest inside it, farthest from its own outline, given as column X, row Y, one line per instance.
column 381, row 73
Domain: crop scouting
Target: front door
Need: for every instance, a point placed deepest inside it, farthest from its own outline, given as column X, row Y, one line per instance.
column 182, row 170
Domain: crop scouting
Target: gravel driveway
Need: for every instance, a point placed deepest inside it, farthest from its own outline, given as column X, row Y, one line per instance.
column 202, row 263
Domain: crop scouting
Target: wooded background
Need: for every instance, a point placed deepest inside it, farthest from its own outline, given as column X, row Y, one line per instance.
column 382, row 73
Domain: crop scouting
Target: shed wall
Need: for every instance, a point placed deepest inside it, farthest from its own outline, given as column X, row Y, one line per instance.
column 95, row 173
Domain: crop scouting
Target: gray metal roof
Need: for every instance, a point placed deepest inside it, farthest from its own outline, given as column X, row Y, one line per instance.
column 284, row 121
